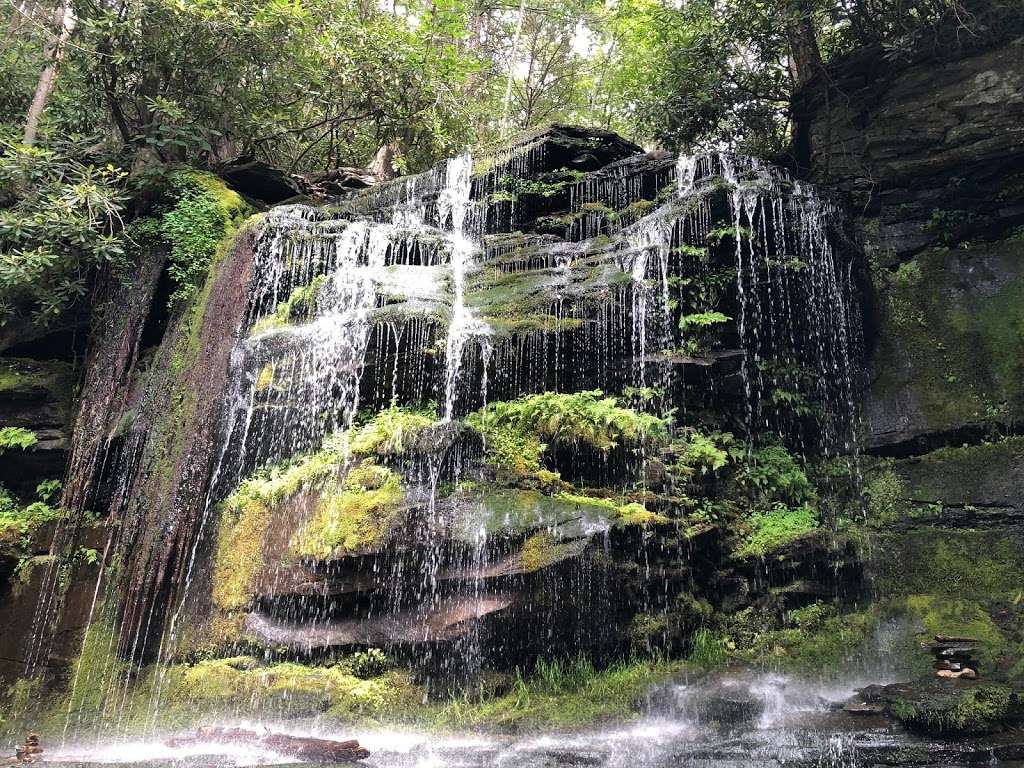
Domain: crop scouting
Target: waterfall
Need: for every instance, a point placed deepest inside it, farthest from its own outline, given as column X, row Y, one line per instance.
column 433, row 294
column 454, row 209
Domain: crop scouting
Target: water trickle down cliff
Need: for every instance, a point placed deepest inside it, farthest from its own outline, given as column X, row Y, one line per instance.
column 375, row 480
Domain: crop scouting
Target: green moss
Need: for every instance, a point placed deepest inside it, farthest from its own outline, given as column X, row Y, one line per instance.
column 542, row 550
column 961, row 475
column 392, row 432
column 301, row 303
column 821, row 644
column 280, row 690
column 190, row 694
column 985, row 567
column 509, row 449
column 958, row 355
column 246, row 515
column 774, row 529
column 19, row 704
column 356, row 517
column 519, row 301
column 170, row 436
column 639, row 208
column 97, row 672
column 22, row 375
column 266, row 377
column 584, row 417
column 974, row 710
column 204, row 211
column 952, row 616
column 563, row 694
column 630, row 513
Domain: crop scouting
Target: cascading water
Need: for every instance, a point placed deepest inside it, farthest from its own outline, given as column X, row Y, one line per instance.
column 419, row 293
column 454, row 208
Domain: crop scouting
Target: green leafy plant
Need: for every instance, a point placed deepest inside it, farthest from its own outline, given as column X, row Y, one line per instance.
column 777, row 527
column 774, row 474
column 60, row 220
column 16, row 437
column 698, row 453
column 47, row 490
column 702, row 320
column 707, row 648
column 194, row 227
column 372, row 662
column 583, row 417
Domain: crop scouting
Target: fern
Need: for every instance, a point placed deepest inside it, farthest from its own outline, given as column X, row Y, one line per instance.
column 16, row 437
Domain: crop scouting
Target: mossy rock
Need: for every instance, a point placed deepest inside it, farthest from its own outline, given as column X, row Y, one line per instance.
column 246, row 517
column 27, row 379
column 953, row 707
column 982, row 566
column 515, row 512
column 951, row 348
column 244, row 687
column 987, row 474
column 937, row 615
column 356, row 516
column 819, row 644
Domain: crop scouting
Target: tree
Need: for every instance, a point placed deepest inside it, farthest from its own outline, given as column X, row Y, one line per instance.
column 65, row 22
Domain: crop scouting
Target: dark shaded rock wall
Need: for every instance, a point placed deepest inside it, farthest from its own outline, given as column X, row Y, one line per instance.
column 930, row 157
column 928, row 152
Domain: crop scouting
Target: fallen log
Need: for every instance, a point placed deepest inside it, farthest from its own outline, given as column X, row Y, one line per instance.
column 305, row 748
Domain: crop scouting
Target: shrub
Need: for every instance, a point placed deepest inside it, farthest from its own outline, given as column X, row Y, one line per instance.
column 372, row 662
column 60, row 219
column 16, row 437
column 194, row 227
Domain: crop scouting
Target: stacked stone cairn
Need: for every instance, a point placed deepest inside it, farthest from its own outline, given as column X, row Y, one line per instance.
column 30, row 751
column 954, row 656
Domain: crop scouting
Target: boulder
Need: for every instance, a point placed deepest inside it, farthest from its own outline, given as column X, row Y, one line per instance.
column 260, row 181
column 948, row 707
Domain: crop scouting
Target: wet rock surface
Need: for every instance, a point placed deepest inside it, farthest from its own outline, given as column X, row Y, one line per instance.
column 949, row 707
column 912, row 141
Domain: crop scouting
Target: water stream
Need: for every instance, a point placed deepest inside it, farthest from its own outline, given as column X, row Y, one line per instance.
column 790, row 724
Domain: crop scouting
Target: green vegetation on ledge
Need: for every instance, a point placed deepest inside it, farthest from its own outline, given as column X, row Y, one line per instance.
column 972, row 711
column 246, row 515
column 516, row 430
column 356, row 517
column 301, row 303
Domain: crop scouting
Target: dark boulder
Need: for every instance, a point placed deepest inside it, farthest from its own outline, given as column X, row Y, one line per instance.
column 944, row 707
column 259, row 181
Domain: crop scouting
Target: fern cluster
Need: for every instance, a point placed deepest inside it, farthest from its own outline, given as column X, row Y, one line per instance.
column 584, row 417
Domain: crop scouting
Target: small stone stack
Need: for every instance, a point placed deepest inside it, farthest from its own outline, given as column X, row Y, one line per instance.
column 30, row 751
column 954, row 656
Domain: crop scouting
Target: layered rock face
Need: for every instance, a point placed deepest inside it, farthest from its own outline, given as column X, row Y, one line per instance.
column 931, row 157
column 563, row 397
column 545, row 401
column 436, row 352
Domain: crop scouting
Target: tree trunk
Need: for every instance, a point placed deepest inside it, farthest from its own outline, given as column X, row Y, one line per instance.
column 506, row 104
column 65, row 18
column 804, row 54
column 383, row 164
